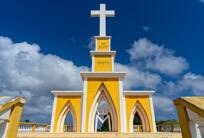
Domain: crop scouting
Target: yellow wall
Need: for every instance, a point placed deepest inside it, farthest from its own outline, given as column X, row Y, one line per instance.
column 61, row 102
column 145, row 102
column 102, row 44
column 112, row 85
column 103, row 63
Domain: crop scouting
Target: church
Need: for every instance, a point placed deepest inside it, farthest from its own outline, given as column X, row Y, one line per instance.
column 103, row 104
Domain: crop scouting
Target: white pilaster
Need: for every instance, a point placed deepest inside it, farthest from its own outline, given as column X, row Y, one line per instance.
column 93, row 63
column 113, row 64
column 123, row 119
column 153, row 115
column 53, row 113
column 84, row 101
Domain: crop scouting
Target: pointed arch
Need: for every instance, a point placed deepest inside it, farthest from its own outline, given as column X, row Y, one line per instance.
column 138, row 108
column 67, row 108
column 103, row 93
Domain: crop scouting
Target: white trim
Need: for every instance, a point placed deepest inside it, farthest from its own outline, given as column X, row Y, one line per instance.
column 103, row 37
column 106, row 53
column 53, row 113
column 113, row 68
column 93, row 64
column 66, row 93
column 85, row 75
column 123, row 126
column 83, row 107
column 153, row 115
column 127, row 92
column 96, row 46
column 109, row 44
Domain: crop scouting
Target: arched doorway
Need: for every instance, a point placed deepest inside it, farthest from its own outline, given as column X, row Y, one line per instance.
column 67, row 119
column 103, row 116
column 138, row 119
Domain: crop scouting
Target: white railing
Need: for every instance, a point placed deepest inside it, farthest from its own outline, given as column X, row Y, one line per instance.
column 33, row 127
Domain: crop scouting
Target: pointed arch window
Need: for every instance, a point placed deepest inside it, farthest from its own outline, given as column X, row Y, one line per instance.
column 103, row 117
column 67, row 119
column 137, row 123
column 138, row 119
column 68, row 124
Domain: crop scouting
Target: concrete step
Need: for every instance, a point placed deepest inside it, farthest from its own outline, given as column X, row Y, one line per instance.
column 98, row 135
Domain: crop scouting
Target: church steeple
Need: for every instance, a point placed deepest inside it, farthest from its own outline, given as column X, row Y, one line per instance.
column 102, row 57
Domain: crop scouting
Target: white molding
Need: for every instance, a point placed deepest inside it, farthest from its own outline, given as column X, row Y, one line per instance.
column 96, row 46
column 143, row 92
column 106, row 53
column 66, row 93
column 53, row 113
column 93, row 64
column 103, row 37
column 86, row 75
column 109, row 44
column 83, row 107
column 153, row 115
column 123, row 119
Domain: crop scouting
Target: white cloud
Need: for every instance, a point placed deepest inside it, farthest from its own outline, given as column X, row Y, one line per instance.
column 150, row 56
column 136, row 78
column 91, row 43
column 163, row 104
column 190, row 83
column 164, row 108
column 27, row 72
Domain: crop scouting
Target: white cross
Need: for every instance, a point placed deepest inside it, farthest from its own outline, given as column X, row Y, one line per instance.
column 102, row 13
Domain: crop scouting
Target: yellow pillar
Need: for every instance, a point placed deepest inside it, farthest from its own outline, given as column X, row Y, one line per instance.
column 14, row 120
column 33, row 127
column 184, row 121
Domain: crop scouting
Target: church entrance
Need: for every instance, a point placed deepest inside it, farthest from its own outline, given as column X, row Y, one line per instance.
column 103, row 116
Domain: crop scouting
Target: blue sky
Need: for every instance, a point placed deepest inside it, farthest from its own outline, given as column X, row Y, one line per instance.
column 62, row 31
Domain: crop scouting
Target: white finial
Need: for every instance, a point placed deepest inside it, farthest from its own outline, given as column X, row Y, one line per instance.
column 102, row 13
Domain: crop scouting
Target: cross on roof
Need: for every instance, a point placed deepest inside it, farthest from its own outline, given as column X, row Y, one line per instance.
column 102, row 14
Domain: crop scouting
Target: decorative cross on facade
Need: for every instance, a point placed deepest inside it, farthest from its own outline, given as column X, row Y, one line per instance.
column 102, row 13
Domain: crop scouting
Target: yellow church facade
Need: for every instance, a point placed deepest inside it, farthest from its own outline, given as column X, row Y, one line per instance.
column 103, row 104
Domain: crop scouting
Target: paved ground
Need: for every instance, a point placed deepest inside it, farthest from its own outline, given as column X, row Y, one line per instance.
column 97, row 135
